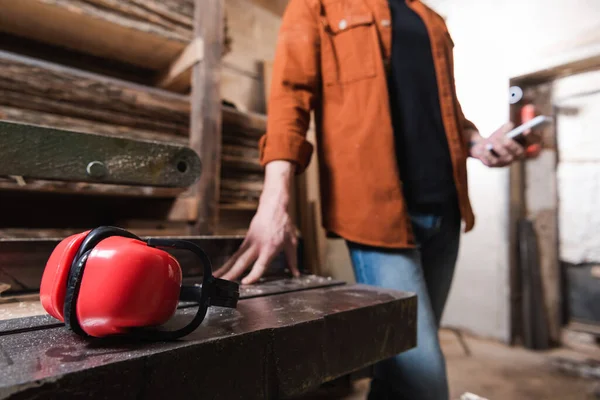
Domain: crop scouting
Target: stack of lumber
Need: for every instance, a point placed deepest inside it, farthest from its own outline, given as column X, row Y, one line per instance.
column 84, row 89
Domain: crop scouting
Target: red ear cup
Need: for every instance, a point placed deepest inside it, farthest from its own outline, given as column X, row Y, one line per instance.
column 126, row 285
column 109, row 282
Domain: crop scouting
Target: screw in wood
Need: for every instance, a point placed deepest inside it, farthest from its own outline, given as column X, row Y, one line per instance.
column 96, row 169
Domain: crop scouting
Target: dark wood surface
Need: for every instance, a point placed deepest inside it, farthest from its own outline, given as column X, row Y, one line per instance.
column 205, row 126
column 267, row 286
column 268, row 348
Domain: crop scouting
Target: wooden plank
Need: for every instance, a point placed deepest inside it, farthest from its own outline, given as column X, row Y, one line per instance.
column 30, row 84
column 147, row 33
column 205, row 133
column 322, row 324
column 73, row 98
column 17, row 311
column 44, row 93
column 85, row 188
column 542, row 208
column 37, row 152
column 85, row 125
column 177, row 75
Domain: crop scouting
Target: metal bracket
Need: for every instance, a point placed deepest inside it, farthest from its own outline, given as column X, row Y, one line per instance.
column 39, row 152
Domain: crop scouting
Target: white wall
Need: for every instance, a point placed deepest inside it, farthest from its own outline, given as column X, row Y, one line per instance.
column 496, row 40
column 578, row 99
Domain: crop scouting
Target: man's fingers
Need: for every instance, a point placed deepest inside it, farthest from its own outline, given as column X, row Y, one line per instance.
column 292, row 258
column 489, row 159
column 260, row 266
column 504, row 129
column 229, row 263
column 242, row 264
column 501, row 151
column 515, row 149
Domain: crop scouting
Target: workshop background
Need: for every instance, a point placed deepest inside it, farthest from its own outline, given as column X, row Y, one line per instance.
column 504, row 297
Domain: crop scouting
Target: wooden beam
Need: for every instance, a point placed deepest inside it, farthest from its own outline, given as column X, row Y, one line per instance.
column 79, row 100
column 85, row 125
column 178, row 74
column 148, row 33
column 89, row 188
column 30, row 84
column 40, row 152
column 205, row 133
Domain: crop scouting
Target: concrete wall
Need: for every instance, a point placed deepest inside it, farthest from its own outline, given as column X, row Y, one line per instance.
column 496, row 40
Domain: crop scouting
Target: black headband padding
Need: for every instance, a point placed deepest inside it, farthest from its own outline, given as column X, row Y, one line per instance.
column 70, row 308
column 213, row 291
column 99, row 234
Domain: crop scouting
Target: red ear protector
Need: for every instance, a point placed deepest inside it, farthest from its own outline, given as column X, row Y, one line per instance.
column 110, row 282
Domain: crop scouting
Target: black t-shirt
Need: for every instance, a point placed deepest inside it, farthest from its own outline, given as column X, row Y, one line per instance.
column 421, row 144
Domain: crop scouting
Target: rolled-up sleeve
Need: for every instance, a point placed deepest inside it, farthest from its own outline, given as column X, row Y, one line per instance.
column 293, row 92
column 466, row 124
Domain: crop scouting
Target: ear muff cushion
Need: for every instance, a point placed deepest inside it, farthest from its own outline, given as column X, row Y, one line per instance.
column 56, row 273
column 78, row 267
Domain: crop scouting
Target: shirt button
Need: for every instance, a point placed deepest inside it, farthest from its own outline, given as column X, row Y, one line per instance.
column 385, row 23
column 343, row 24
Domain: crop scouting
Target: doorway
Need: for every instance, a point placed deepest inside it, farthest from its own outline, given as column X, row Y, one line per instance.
column 555, row 197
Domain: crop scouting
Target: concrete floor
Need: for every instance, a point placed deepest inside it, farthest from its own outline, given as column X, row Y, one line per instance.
column 498, row 372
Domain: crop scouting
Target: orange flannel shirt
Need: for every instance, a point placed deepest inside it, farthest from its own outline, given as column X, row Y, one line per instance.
column 332, row 58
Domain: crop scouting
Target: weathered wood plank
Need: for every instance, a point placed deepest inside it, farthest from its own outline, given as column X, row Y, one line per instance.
column 26, row 313
column 147, row 33
column 44, row 93
column 317, row 326
column 31, row 84
column 32, row 90
column 89, row 188
column 32, row 151
column 85, row 125
column 205, row 133
column 47, row 94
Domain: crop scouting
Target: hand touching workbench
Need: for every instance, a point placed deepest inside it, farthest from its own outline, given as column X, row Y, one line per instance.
column 270, row 232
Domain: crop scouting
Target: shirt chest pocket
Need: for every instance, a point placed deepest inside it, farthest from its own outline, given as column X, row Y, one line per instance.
column 349, row 46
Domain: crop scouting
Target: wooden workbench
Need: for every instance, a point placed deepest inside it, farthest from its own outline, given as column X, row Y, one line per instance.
column 285, row 338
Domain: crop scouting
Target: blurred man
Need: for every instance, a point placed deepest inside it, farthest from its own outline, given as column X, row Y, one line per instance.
column 393, row 144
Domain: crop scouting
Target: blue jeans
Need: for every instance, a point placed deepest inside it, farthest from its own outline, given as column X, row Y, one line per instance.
column 420, row 373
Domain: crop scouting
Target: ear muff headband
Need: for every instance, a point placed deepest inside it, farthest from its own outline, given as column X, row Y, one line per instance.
column 212, row 292
column 76, row 272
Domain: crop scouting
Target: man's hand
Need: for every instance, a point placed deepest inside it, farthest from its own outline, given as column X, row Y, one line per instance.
column 270, row 232
column 507, row 150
